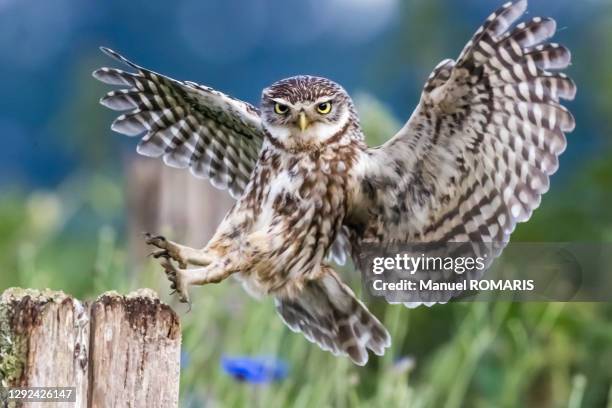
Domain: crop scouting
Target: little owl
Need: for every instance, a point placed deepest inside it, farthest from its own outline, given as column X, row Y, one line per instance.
column 472, row 161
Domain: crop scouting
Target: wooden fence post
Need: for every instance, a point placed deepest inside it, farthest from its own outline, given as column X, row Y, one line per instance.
column 119, row 351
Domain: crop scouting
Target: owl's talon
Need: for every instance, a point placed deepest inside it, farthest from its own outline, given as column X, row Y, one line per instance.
column 155, row 240
column 178, row 283
column 161, row 253
column 188, row 302
column 167, row 249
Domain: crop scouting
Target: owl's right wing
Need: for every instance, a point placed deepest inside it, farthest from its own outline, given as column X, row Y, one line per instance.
column 187, row 124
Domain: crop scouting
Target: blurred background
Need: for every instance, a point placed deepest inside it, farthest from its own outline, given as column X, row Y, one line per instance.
column 74, row 198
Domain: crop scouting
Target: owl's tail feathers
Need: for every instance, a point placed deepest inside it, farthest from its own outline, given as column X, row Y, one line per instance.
column 329, row 314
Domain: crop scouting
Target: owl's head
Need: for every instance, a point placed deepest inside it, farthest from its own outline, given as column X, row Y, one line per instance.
column 306, row 111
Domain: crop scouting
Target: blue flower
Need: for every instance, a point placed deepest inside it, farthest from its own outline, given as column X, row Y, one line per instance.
column 255, row 370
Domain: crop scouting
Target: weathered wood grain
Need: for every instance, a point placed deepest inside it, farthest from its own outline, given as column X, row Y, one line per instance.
column 119, row 351
column 135, row 359
column 45, row 338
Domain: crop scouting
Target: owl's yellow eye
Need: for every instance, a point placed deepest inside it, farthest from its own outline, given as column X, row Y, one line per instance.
column 324, row 108
column 280, row 109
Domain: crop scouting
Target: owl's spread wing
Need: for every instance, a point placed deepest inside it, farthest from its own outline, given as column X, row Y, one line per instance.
column 476, row 155
column 189, row 125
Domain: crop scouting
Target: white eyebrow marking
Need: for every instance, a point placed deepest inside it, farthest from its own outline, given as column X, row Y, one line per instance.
column 282, row 101
column 326, row 98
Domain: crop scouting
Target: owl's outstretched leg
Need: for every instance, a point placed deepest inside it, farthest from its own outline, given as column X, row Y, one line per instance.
column 182, row 278
column 182, row 254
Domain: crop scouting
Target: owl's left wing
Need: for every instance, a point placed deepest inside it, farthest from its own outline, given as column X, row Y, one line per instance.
column 187, row 124
column 476, row 155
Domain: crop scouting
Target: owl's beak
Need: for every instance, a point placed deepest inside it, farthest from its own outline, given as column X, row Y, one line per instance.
column 303, row 121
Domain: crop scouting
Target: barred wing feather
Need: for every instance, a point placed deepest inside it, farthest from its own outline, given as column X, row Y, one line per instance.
column 187, row 124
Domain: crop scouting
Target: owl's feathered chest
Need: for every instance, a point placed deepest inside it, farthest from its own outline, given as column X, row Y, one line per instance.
column 301, row 184
column 297, row 202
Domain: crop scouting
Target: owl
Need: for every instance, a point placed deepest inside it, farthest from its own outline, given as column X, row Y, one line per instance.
column 472, row 161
